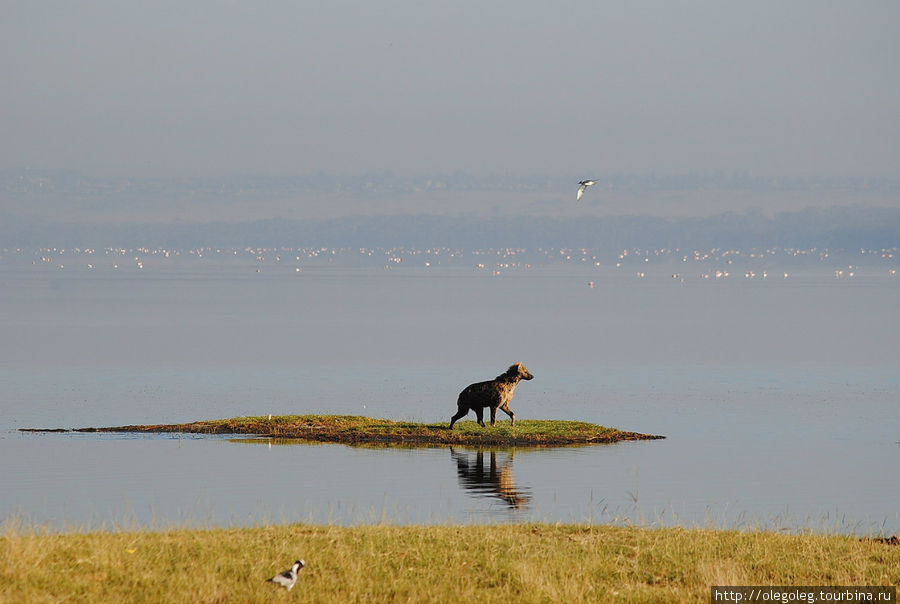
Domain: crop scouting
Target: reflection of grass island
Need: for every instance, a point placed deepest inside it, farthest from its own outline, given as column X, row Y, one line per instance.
column 358, row 429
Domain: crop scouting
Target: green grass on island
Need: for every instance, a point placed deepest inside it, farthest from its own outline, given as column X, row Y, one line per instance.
column 358, row 429
column 459, row 563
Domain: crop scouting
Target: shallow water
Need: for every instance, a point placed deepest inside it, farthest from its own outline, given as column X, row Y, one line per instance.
column 778, row 398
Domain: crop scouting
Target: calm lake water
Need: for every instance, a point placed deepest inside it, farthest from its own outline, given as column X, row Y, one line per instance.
column 779, row 397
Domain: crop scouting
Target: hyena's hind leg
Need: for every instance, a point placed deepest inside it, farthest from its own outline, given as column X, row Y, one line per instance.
column 461, row 412
column 479, row 413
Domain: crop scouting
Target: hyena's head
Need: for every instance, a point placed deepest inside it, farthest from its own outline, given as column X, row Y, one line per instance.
column 517, row 371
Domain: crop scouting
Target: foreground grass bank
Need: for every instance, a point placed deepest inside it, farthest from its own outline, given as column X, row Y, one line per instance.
column 512, row 563
column 358, row 429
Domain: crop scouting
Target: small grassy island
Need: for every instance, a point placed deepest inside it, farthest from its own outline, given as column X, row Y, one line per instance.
column 354, row 429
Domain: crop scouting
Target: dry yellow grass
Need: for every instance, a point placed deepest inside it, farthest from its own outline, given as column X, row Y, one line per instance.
column 521, row 563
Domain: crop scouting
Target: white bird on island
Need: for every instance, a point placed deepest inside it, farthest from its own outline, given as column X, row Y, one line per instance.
column 288, row 578
column 584, row 184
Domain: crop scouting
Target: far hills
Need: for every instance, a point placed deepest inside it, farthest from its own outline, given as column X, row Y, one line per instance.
column 848, row 228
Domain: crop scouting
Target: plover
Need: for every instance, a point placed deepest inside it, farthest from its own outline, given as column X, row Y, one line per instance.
column 584, row 185
column 288, row 577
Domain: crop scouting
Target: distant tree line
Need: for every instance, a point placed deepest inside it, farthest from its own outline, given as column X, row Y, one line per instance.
column 833, row 228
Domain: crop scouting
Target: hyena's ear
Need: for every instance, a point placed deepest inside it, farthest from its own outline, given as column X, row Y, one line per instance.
column 514, row 369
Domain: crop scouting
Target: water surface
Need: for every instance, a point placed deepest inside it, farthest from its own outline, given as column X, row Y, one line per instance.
column 778, row 397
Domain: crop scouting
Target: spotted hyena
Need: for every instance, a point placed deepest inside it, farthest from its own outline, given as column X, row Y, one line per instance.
column 495, row 394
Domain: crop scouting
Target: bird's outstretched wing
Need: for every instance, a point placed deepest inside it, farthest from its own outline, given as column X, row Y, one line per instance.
column 584, row 185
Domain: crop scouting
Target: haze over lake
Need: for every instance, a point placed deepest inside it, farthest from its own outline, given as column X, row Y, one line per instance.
column 218, row 209
column 765, row 379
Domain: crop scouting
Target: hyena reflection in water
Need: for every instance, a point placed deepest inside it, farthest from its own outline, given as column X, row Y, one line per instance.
column 496, row 480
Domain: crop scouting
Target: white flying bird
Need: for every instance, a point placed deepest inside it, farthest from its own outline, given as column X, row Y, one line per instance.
column 584, row 185
column 288, row 577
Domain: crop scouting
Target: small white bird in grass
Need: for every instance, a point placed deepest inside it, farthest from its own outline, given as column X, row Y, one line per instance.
column 288, row 577
column 584, row 184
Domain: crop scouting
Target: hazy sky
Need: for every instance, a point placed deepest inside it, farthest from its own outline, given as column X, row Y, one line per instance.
column 800, row 88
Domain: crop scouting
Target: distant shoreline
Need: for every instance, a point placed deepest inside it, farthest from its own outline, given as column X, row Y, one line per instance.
column 349, row 429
